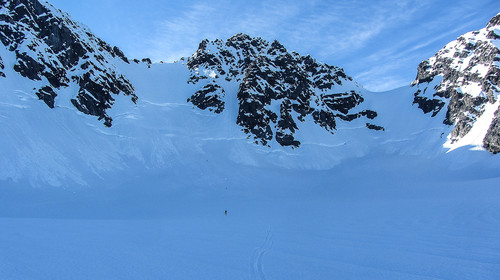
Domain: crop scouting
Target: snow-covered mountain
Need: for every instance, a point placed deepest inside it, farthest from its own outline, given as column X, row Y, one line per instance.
column 463, row 79
column 275, row 89
column 75, row 109
column 44, row 44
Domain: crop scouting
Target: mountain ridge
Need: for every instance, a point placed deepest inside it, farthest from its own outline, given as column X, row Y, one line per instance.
column 243, row 100
column 266, row 73
column 52, row 48
column 470, row 71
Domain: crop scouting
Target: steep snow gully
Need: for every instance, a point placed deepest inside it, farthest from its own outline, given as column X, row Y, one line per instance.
column 118, row 168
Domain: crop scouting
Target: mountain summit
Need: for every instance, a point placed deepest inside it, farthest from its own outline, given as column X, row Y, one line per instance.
column 276, row 89
column 51, row 48
column 463, row 79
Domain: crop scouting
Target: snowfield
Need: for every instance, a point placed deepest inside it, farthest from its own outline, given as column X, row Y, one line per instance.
column 400, row 218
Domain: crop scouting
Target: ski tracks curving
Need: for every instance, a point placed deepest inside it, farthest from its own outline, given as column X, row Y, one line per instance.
column 257, row 271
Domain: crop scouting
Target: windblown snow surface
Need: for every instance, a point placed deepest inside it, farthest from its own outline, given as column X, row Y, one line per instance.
column 145, row 199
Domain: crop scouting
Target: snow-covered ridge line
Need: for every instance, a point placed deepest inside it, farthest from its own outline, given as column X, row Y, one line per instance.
column 48, row 46
column 470, row 72
column 276, row 91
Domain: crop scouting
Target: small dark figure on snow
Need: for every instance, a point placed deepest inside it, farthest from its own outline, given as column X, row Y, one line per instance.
column 225, row 212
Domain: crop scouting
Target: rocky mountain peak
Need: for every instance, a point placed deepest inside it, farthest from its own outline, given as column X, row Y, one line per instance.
column 277, row 89
column 463, row 77
column 50, row 47
column 494, row 22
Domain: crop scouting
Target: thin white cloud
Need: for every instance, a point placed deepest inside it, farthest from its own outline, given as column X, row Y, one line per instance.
column 178, row 36
column 396, row 65
column 350, row 26
column 372, row 40
column 334, row 29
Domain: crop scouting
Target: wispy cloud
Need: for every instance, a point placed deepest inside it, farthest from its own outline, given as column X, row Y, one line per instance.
column 333, row 29
column 394, row 65
column 179, row 36
column 378, row 42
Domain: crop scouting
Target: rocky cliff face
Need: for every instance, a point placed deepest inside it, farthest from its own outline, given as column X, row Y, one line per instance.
column 470, row 72
column 276, row 89
column 2, row 66
column 50, row 47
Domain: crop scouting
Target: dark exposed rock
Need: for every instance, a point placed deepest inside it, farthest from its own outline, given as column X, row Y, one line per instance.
column 461, row 64
column 369, row 114
column 252, row 114
column 286, row 126
column 276, row 48
column 374, row 127
column 117, row 52
column 2, row 67
column 48, row 95
column 57, row 45
column 325, row 119
column 423, row 73
column 342, row 102
column 493, row 35
column 495, row 21
column 429, row 105
column 460, row 103
column 269, row 77
column 492, row 139
column 28, row 67
column 147, row 61
column 210, row 96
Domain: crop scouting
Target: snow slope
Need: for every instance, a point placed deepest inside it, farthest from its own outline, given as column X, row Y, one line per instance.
column 63, row 147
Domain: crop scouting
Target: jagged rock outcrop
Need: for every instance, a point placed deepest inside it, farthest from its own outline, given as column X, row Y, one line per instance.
column 276, row 89
column 50, row 47
column 492, row 140
column 470, row 72
column 2, row 74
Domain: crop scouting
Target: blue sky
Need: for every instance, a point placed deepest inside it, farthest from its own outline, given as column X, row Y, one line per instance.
column 379, row 43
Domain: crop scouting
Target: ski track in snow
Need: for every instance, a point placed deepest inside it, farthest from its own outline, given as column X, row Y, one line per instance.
column 325, row 145
column 166, row 104
column 257, row 269
column 13, row 105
